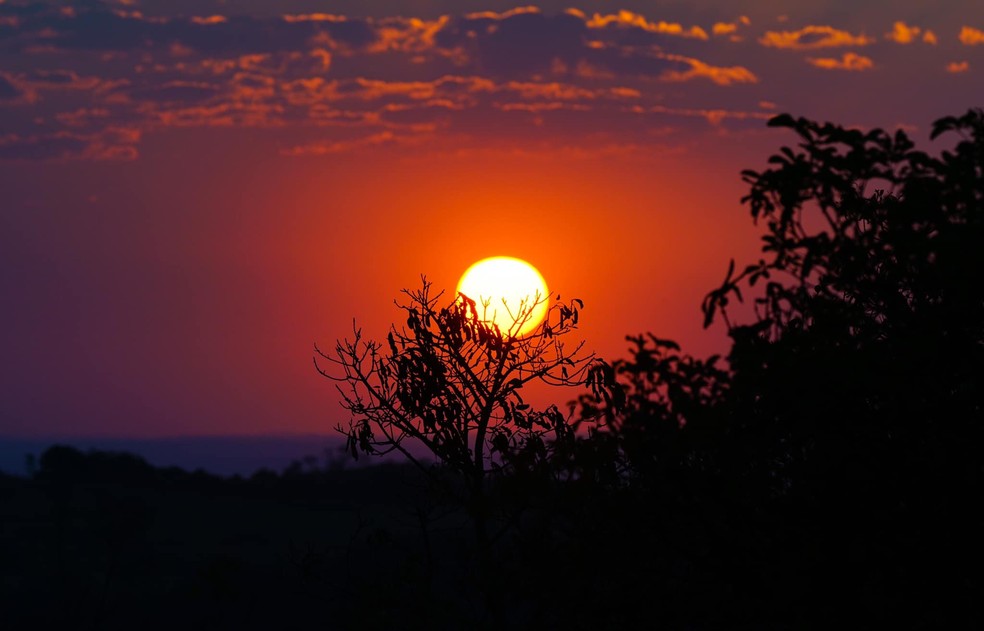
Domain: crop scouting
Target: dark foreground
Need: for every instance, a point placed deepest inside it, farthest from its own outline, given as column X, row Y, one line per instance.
column 104, row 541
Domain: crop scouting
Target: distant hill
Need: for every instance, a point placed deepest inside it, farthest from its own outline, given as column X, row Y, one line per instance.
column 218, row 455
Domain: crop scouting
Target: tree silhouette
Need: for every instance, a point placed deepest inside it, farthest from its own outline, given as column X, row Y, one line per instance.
column 451, row 382
column 672, row 409
column 873, row 303
column 847, row 429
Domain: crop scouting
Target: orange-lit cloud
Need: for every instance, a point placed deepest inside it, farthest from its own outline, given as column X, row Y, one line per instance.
column 811, row 37
column 313, row 17
column 408, row 35
column 541, row 107
column 62, row 80
column 549, row 91
column 957, row 67
column 699, row 69
column 848, row 61
column 211, row 19
column 724, row 28
column 730, row 28
column 464, row 75
column 902, row 33
column 83, row 117
column 492, row 15
column 970, row 36
column 714, row 116
column 628, row 19
column 328, row 147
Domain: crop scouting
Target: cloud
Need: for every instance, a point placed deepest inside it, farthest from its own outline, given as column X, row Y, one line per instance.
column 313, row 17
column 628, row 19
column 83, row 117
column 719, row 75
column 523, row 75
column 526, row 42
column 848, row 61
column 113, row 143
column 9, row 91
column 970, row 36
column 211, row 19
column 175, row 92
column 812, row 37
column 96, row 27
column 328, row 147
column 730, row 28
column 60, row 79
column 724, row 28
column 714, row 116
column 957, row 67
column 15, row 91
column 493, row 15
column 904, row 34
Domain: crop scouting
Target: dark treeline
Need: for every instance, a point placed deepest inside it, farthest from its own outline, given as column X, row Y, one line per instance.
column 103, row 540
column 826, row 473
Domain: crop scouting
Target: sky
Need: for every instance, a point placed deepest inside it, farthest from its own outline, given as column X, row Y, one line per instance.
column 194, row 193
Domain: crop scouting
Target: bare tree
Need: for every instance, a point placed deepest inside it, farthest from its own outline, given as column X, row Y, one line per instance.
column 449, row 380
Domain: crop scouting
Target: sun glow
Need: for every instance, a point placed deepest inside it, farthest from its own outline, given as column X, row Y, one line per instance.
column 512, row 291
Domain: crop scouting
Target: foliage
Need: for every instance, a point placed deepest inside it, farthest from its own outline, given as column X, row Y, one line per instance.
column 874, row 237
column 841, row 447
column 869, row 330
column 672, row 400
column 451, row 383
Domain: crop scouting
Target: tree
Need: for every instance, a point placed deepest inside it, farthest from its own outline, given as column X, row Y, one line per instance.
column 873, row 275
column 451, row 382
column 855, row 395
column 672, row 407
column 837, row 459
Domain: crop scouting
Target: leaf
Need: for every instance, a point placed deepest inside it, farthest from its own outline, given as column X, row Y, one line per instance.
column 781, row 120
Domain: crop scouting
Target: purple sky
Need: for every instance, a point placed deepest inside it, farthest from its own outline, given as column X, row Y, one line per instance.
column 193, row 193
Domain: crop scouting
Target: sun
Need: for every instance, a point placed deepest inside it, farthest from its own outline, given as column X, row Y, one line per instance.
column 514, row 291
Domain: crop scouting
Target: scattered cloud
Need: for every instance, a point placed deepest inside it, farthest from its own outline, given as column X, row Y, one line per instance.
column 714, row 116
column 812, row 37
column 90, row 70
column 970, row 36
column 212, row 19
column 957, row 67
column 731, row 28
column 724, row 28
column 15, row 90
column 719, row 75
column 9, row 90
column 848, row 61
column 328, row 147
column 628, row 19
column 113, row 143
column 904, row 34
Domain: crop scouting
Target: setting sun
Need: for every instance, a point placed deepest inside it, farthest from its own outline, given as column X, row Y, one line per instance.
column 513, row 291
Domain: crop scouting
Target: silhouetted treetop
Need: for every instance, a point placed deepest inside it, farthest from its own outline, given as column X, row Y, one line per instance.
column 451, row 382
column 864, row 226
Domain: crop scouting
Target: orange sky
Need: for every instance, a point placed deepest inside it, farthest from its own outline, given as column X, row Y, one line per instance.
column 191, row 203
